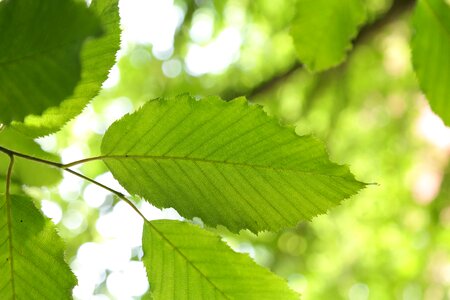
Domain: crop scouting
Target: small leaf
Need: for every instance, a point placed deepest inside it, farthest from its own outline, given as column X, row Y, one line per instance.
column 32, row 262
column 26, row 171
column 431, row 53
column 39, row 53
column 323, row 30
column 184, row 261
column 97, row 58
column 225, row 162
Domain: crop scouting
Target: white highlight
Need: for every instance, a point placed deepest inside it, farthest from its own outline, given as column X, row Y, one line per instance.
column 202, row 26
column 69, row 188
column 71, row 153
column 116, row 109
column 121, row 223
column 359, row 291
column 52, row 210
column 131, row 281
column 217, row 55
column 113, row 78
column 47, row 143
column 171, row 68
column 86, row 123
column 432, row 128
column 150, row 22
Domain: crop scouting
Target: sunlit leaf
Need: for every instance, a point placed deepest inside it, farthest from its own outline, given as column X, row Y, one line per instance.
column 32, row 262
column 184, row 261
column 323, row 30
column 225, row 162
column 97, row 58
column 431, row 53
column 39, row 53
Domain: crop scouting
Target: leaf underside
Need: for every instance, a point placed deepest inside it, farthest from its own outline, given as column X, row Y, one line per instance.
column 225, row 162
column 40, row 66
column 184, row 261
column 97, row 58
column 32, row 262
column 323, row 30
column 431, row 53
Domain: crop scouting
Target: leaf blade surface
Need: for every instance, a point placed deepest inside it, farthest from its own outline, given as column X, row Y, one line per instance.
column 39, row 54
column 430, row 53
column 184, row 261
column 31, row 254
column 97, row 58
column 225, row 162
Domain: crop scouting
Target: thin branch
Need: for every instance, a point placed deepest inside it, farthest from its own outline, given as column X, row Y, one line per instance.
column 29, row 157
column 82, row 161
column 398, row 8
column 117, row 193
column 9, row 175
column 65, row 167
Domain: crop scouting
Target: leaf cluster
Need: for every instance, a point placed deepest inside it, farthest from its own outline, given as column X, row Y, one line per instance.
column 225, row 162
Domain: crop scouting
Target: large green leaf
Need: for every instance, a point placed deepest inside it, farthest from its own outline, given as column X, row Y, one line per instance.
column 32, row 262
column 26, row 171
column 40, row 47
column 97, row 58
column 323, row 30
column 225, row 162
column 184, row 261
column 431, row 53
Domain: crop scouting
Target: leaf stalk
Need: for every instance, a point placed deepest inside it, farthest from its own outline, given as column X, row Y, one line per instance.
column 65, row 167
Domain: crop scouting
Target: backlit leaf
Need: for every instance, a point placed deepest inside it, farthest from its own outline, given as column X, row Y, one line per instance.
column 32, row 262
column 184, row 261
column 431, row 53
column 225, row 162
column 40, row 47
column 97, row 58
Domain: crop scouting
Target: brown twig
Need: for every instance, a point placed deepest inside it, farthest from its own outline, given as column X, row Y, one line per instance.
column 398, row 8
column 12, row 154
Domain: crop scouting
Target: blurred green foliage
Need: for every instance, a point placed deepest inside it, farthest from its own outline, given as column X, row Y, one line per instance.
column 392, row 241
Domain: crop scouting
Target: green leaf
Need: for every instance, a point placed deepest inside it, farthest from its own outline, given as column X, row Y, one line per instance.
column 431, row 53
column 225, row 162
column 323, row 30
column 25, row 171
column 97, row 58
column 184, row 261
column 32, row 262
column 15, row 187
column 39, row 53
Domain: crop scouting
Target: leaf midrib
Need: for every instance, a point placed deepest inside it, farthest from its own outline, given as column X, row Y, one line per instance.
column 163, row 237
column 215, row 162
column 10, row 248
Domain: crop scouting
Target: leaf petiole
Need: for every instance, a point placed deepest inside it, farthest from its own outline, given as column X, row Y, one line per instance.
column 9, row 216
column 65, row 167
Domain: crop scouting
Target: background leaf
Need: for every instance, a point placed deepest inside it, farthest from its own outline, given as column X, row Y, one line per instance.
column 431, row 53
column 26, row 171
column 187, row 262
column 39, row 53
column 225, row 162
column 323, row 30
column 32, row 262
column 97, row 58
